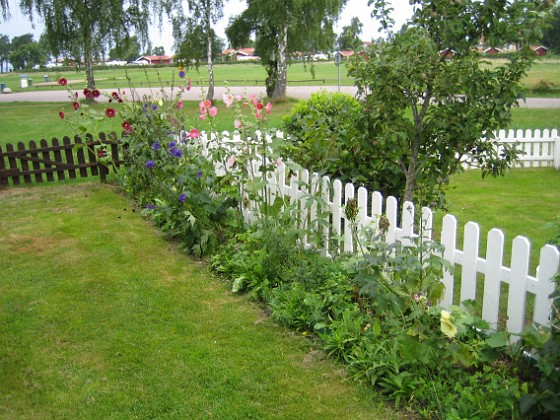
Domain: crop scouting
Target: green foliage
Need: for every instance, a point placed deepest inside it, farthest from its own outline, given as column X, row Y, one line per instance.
column 326, row 138
column 432, row 102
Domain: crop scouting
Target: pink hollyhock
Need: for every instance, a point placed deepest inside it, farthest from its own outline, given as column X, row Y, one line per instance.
column 201, row 107
column 110, row 112
column 207, row 103
column 213, row 111
column 259, row 115
column 253, row 99
column 180, row 105
column 237, row 124
column 189, row 84
column 62, row 81
column 228, row 99
column 202, row 117
column 194, row 133
column 268, row 108
column 230, row 162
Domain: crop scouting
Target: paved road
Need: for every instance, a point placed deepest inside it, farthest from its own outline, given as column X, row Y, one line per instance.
column 298, row 92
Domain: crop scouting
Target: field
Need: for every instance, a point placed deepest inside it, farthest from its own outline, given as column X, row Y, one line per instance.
column 249, row 74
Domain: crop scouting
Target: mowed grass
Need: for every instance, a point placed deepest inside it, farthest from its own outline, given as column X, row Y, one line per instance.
column 25, row 121
column 519, row 204
column 100, row 317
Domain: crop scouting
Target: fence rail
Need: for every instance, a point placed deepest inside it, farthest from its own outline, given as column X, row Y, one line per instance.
column 538, row 148
column 57, row 160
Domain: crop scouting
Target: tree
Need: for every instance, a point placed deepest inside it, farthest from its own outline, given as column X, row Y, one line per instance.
column 127, row 49
column 5, row 50
column 551, row 36
column 203, row 14
column 430, row 101
column 25, row 52
column 282, row 27
column 158, row 50
column 84, row 29
column 349, row 39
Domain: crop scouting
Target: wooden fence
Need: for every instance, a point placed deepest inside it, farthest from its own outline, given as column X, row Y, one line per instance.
column 479, row 275
column 47, row 162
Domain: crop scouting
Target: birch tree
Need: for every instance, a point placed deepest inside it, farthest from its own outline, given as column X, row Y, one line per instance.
column 282, row 27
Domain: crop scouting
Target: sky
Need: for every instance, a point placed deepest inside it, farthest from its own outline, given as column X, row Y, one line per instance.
column 20, row 24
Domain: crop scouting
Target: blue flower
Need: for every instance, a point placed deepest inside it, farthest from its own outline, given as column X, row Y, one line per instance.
column 150, row 207
column 182, row 198
column 177, row 153
column 200, row 174
column 172, row 144
column 156, row 146
column 150, row 164
column 154, row 107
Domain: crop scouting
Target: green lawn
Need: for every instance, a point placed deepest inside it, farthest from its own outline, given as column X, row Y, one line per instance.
column 100, row 317
column 25, row 121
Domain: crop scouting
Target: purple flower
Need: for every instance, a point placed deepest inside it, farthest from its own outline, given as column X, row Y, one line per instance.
column 172, row 144
column 177, row 153
column 200, row 174
column 154, row 107
column 150, row 207
column 156, row 146
column 150, row 164
column 182, row 198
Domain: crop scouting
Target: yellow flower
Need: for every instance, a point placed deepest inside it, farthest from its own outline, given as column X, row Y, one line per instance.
column 447, row 327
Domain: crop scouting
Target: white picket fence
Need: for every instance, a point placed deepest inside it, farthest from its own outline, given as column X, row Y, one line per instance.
column 472, row 267
column 538, row 148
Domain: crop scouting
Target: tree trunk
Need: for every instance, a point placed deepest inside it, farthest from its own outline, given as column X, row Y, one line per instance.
column 282, row 65
column 88, row 62
column 410, row 174
column 210, row 93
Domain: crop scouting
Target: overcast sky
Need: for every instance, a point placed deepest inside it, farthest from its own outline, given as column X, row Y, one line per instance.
column 20, row 25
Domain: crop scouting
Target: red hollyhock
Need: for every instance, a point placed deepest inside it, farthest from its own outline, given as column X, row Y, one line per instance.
column 96, row 93
column 110, row 112
column 127, row 127
column 61, row 114
column 76, row 105
column 62, row 81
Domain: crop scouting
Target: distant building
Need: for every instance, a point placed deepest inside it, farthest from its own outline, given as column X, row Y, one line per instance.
column 540, row 50
column 492, row 51
column 154, row 59
column 241, row 54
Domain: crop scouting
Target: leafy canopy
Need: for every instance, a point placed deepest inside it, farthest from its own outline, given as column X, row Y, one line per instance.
column 430, row 98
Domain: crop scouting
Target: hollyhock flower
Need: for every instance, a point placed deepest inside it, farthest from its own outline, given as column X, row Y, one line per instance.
column 213, row 111
column 194, row 133
column 76, row 105
column 62, row 81
column 260, row 105
column 253, row 99
column 182, row 198
column 238, row 98
column 61, row 114
column 259, row 115
column 180, row 105
column 230, row 162
column 268, row 108
column 189, row 84
column 207, row 103
column 237, row 124
column 150, row 164
column 115, row 95
column 96, row 94
column 127, row 127
column 110, row 112
column 201, row 107
column 228, row 99
column 202, row 117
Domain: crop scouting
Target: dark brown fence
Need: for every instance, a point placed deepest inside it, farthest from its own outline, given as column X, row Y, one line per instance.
column 32, row 163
